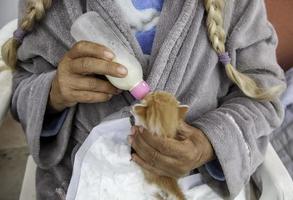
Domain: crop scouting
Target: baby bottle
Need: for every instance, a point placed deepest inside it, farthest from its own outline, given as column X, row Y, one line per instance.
column 91, row 27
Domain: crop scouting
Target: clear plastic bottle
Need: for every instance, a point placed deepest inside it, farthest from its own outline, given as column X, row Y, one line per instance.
column 91, row 27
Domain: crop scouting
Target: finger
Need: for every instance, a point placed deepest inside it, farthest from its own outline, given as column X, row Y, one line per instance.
column 88, row 65
column 145, row 151
column 150, row 168
column 151, row 155
column 185, row 130
column 90, row 49
column 90, row 97
column 134, row 130
column 192, row 133
column 166, row 146
column 85, row 83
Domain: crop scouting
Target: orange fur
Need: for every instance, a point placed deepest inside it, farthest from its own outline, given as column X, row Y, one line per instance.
column 160, row 113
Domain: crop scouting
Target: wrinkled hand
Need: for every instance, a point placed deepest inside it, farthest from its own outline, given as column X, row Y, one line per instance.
column 76, row 81
column 171, row 157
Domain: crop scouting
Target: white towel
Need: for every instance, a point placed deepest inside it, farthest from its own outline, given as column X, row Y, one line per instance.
column 102, row 170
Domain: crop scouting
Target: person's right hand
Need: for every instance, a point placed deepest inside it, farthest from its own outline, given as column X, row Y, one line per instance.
column 75, row 82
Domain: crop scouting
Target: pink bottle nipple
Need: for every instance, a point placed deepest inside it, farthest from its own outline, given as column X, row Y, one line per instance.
column 140, row 90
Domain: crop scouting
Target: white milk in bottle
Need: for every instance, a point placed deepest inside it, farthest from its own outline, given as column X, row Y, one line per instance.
column 91, row 27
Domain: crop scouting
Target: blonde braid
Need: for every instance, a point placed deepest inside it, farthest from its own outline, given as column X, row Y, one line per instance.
column 217, row 36
column 35, row 11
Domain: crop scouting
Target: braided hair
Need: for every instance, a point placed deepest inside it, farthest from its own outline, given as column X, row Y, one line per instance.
column 217, row 37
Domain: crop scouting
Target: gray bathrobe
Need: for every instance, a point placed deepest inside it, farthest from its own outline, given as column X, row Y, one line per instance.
column 182, row 62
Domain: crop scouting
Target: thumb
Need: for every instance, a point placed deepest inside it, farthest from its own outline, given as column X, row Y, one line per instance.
column 184, row 130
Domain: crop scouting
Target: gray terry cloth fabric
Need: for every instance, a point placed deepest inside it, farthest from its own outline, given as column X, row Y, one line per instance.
column 182, row 62
column 282, row 138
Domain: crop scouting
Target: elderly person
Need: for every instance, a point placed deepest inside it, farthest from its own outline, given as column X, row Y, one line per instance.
column 61, row 93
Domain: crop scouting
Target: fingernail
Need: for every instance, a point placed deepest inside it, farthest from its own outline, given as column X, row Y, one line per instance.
column 132, row 131
column 108, row 54
column 130, row 140
column 110, row 96
column 140, row 129
column 122, row 70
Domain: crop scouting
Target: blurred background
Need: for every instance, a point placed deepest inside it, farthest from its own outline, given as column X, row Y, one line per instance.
column 13, row 149
column 8, row 11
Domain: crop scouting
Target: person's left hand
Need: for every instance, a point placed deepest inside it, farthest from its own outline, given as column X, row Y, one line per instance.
column 171, row 157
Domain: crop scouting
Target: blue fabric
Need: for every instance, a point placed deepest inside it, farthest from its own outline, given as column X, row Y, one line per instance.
column 145, row 4
column 53, row 124
column 146, row 40
column 215, row 170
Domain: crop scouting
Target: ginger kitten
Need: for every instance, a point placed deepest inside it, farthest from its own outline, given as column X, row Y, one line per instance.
column 160, row 113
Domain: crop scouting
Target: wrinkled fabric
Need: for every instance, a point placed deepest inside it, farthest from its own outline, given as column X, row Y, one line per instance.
column 282, row 138
column 182, row 62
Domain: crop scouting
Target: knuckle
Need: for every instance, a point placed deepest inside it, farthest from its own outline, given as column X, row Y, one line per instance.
column 92, row 84
column 102, row 67
column 110, row 69
column 84, row 63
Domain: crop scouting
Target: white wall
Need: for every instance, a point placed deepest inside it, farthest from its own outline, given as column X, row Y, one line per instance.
column 8, row 11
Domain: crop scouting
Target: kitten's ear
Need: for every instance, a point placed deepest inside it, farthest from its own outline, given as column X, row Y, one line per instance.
column 139, row 110
column 183, row 109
